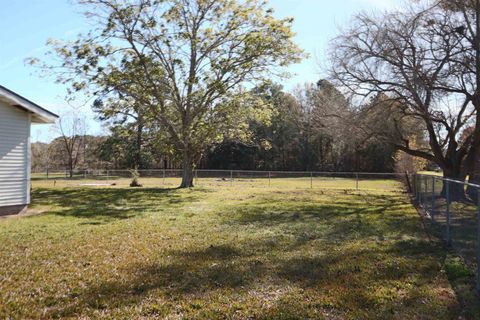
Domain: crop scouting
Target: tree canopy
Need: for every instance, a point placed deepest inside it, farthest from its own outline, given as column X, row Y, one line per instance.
column 184, row 61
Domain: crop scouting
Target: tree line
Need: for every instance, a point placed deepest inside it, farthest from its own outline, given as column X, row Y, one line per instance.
column 304, row 131
column 187, row 80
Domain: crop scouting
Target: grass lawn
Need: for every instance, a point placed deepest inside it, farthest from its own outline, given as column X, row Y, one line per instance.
column 222, row 253
column 291, row 182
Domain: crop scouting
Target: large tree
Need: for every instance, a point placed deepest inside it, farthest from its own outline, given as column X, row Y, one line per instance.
column 185, row 60
column 464, row 20
column 409, row 58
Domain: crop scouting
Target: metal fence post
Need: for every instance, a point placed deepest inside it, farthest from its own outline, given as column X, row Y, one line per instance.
column 163, row 176
column 433, row 199
column 419, row 190
column 447, row 212
column 356, row 180
column 231, row 178
column 311, row 180
column 478, row 241
column 423, row 189
column 196, row 177
column 415, row 185
column 269, row 177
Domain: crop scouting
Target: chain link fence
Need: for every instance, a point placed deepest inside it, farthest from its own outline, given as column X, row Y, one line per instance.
column 232, row 178
column 447, row 211
column 450, row 214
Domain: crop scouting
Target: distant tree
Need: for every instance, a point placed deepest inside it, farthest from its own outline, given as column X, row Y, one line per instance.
column 72, row 130
column 183, row 59
column 40, row 156
column 134, row 119
column 120, row 149
column 277, row 140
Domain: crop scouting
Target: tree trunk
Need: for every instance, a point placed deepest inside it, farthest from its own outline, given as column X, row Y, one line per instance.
column 70, row 168
column 474, row 175
column 456, row 190
column 473, row 158
column 139, row 142
column 474, row 168
column 187, row 171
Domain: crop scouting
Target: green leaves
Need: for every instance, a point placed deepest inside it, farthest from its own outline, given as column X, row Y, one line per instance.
column 182, row 61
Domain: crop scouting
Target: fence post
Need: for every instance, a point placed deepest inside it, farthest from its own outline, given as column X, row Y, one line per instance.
column 269, row 177
column 447, row 212
column 163, row 176
column 415, row 186
column 47, row 173
column 478, row 241
column 424, row 194
column 357, row 180
column 433, row 199
column 231, row 178
column 419, row 190
column 311, row 180
column 196, row 177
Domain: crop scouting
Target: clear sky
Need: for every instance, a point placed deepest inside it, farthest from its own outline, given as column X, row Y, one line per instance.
column 26, row 25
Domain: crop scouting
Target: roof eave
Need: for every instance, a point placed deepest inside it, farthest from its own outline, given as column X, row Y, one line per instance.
column 39, row 114
column 43, row 119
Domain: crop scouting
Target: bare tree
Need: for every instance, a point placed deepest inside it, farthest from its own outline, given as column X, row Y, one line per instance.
column 72, row 131
column 408, row 57
column 464, row 20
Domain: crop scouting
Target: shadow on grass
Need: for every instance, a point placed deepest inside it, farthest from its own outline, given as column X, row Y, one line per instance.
column 109, row 204
column 377, row 216
column 219, row 270
column 352, row 272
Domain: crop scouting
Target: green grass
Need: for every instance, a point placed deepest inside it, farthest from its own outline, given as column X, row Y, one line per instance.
column 242, row 182
column 222, row 253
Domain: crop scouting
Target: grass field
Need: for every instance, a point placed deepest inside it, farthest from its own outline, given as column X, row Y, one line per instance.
column 223, row 253
column 291, row 182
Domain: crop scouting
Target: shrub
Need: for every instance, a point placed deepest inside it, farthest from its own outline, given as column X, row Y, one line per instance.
column 135, row 177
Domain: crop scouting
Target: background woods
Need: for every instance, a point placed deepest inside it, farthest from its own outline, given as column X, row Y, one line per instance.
column 309, row 129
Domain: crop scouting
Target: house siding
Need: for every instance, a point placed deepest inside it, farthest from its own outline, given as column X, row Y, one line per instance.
column 14, row 156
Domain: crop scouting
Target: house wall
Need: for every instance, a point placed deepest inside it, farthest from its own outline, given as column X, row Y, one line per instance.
column 14, row 158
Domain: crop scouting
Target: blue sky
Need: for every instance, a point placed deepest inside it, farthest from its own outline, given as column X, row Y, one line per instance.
column 26, row 25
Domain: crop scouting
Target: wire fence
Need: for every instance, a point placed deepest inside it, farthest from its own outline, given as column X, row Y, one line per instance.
column 452, row 215
column 448, row 212
column 233, row 178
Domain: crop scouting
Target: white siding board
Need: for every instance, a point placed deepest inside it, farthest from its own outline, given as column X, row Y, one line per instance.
column 14, row 156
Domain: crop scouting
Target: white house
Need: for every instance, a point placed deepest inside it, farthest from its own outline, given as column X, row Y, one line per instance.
column 16, row 116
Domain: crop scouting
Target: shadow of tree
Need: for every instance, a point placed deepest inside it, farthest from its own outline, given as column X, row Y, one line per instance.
column 352, row 272
column 340, row 220
column 222, row 269
column 109, row 204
